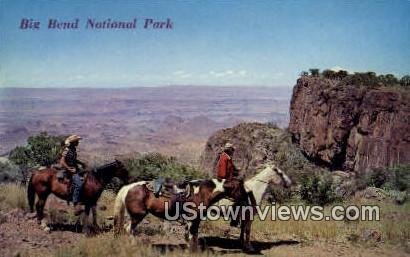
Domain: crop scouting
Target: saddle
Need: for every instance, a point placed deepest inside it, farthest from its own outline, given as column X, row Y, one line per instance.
column 62, row 175
column 167, row 188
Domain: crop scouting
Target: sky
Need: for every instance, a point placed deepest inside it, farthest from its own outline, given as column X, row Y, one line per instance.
column 217, row 43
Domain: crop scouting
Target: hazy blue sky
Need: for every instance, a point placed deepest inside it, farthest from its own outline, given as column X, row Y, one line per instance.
column 212, row 42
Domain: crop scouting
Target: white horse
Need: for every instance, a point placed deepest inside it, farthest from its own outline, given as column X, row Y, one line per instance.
column 258, row 184
column 256, row 188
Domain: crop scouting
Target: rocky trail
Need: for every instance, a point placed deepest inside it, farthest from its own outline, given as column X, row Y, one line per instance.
column 20, row 234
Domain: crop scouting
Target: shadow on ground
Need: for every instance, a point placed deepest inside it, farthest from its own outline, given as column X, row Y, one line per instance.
column 78, row 228
column 221, row 245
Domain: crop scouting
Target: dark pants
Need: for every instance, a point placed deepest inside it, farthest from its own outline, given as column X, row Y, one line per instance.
column 158, row 185
column 77, row 186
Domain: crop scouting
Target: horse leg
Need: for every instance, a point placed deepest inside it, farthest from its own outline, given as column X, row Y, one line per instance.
column 193, row 232
column 135, row 220
column 85, row 220
column 94, row 212
column 247, row 244
column 40, row 207
column 41, row 202
column 241, row 238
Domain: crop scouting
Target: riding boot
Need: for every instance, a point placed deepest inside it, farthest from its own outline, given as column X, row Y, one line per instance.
column 77, row 182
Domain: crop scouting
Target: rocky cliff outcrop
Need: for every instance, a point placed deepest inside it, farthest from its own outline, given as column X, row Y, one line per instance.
column 348, row 127
column 255, row 143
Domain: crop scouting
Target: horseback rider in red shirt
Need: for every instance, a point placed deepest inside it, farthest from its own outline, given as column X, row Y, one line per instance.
column 225, row 168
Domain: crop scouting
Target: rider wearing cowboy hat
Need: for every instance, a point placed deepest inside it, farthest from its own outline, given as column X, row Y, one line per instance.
column 70, row 162
column 225, row 167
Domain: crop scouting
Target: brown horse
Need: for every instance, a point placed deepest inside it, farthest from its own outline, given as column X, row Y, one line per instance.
column 44, row 182
column 138, row 200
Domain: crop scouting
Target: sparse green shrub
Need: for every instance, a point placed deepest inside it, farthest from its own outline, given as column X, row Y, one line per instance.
column 405, row 81
column 399, row 178
column 341, row 74
column 392, row 179
column 389, row 80
column 314, row 72
column 317, row 189
column 280, row 194
column 304, row 73
column 114, row 185
column 363, row 79
column 9, row 172
column 292, row 161
column 377, row 177
column 41, row 149
column 329, row 74
column 153, row 165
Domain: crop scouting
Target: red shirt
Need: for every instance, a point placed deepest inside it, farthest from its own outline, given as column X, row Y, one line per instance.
column 225, row 167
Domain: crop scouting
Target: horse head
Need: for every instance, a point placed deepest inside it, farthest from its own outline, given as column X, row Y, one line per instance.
column 113, row 169
column 280, row 178
column 121, row 171
column 272, row 174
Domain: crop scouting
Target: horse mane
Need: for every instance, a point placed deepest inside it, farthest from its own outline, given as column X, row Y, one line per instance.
column 104, row 167
column 263, row 173
column 104, row 172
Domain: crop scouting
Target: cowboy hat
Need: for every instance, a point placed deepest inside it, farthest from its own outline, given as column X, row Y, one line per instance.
column 71, row 139
column 229, row 146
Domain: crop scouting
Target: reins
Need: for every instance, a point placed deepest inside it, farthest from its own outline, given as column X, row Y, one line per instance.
column 266, row 182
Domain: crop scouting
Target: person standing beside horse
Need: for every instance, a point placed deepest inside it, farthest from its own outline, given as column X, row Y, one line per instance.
column 71, row 164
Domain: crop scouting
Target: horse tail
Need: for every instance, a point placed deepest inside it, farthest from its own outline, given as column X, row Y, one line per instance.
column 31, row 193
column 119, row 210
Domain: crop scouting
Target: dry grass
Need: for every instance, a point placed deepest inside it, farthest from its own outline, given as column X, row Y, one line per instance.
column 12, row 196
column 329, row 236
column 394, row 226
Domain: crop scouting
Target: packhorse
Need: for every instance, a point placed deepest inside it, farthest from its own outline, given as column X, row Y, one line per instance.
column 45, row 181
column 138, row 200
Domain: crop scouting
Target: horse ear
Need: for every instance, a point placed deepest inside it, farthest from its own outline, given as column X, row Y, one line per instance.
column 118, row 162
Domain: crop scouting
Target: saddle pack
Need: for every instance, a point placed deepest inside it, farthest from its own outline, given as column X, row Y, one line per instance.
column 166, row 188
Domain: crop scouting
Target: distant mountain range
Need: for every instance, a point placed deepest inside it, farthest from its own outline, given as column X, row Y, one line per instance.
column 174, row 120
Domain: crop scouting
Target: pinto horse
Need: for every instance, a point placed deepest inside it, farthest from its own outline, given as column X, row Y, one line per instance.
column 138, row 201
column 44, row 182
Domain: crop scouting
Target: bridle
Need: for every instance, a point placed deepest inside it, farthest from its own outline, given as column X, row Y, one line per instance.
column 268, row 182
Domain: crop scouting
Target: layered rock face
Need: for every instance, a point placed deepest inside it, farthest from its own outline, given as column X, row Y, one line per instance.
column 350, row 128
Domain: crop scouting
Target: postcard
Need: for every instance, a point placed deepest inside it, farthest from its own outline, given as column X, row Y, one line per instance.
column 204, row 128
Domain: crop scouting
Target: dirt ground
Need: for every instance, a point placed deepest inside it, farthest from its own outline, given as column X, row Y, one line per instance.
column 21, row 236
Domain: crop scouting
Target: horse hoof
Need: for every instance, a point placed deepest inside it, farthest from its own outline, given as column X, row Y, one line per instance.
column 45, row 226
column 249, row 249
